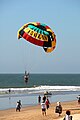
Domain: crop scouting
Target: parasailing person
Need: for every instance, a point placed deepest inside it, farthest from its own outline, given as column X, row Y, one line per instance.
column 26, row 76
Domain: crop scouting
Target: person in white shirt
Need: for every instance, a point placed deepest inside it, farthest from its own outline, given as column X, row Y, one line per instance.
column 67, row 116
column 43, row 107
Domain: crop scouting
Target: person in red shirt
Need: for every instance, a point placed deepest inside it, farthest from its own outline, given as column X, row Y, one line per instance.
column 47, row 103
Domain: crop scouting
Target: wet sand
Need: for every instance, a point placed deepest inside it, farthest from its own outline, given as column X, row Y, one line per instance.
column 34, row 112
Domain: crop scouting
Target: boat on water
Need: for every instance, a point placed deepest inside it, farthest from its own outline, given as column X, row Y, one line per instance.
column 47, row 93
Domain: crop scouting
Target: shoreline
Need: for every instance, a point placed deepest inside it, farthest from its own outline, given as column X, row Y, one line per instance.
column 34, row 112
column 32, row 99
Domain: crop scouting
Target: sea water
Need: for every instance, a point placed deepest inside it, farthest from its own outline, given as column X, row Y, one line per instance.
column 64, row 87
column 16, row 80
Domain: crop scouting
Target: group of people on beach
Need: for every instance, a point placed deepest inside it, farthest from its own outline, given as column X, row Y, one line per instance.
column 58, row 109
column 45, row 105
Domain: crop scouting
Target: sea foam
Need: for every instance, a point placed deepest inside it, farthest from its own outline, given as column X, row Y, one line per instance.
column 38, row 89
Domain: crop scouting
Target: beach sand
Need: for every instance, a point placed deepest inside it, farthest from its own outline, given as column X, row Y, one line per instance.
column 34, row 112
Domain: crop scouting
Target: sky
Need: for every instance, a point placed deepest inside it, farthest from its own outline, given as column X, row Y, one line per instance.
column 63, row 17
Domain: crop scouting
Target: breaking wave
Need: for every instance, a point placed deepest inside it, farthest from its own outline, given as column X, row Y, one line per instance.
column 39, row 89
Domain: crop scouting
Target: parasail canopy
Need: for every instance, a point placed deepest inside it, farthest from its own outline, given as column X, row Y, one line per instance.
column 38, row 34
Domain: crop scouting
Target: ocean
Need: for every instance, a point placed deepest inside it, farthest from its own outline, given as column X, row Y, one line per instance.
column 17, row 80
column 64, row 87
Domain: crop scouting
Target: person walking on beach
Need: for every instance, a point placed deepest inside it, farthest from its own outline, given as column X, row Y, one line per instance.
column 18, row 106
column 43, row 107
column 58, row 108
column 39, row 99
column 44, row 98
column 78, row 99
column 67, row 116
column 9, row 91
column 47, row 103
